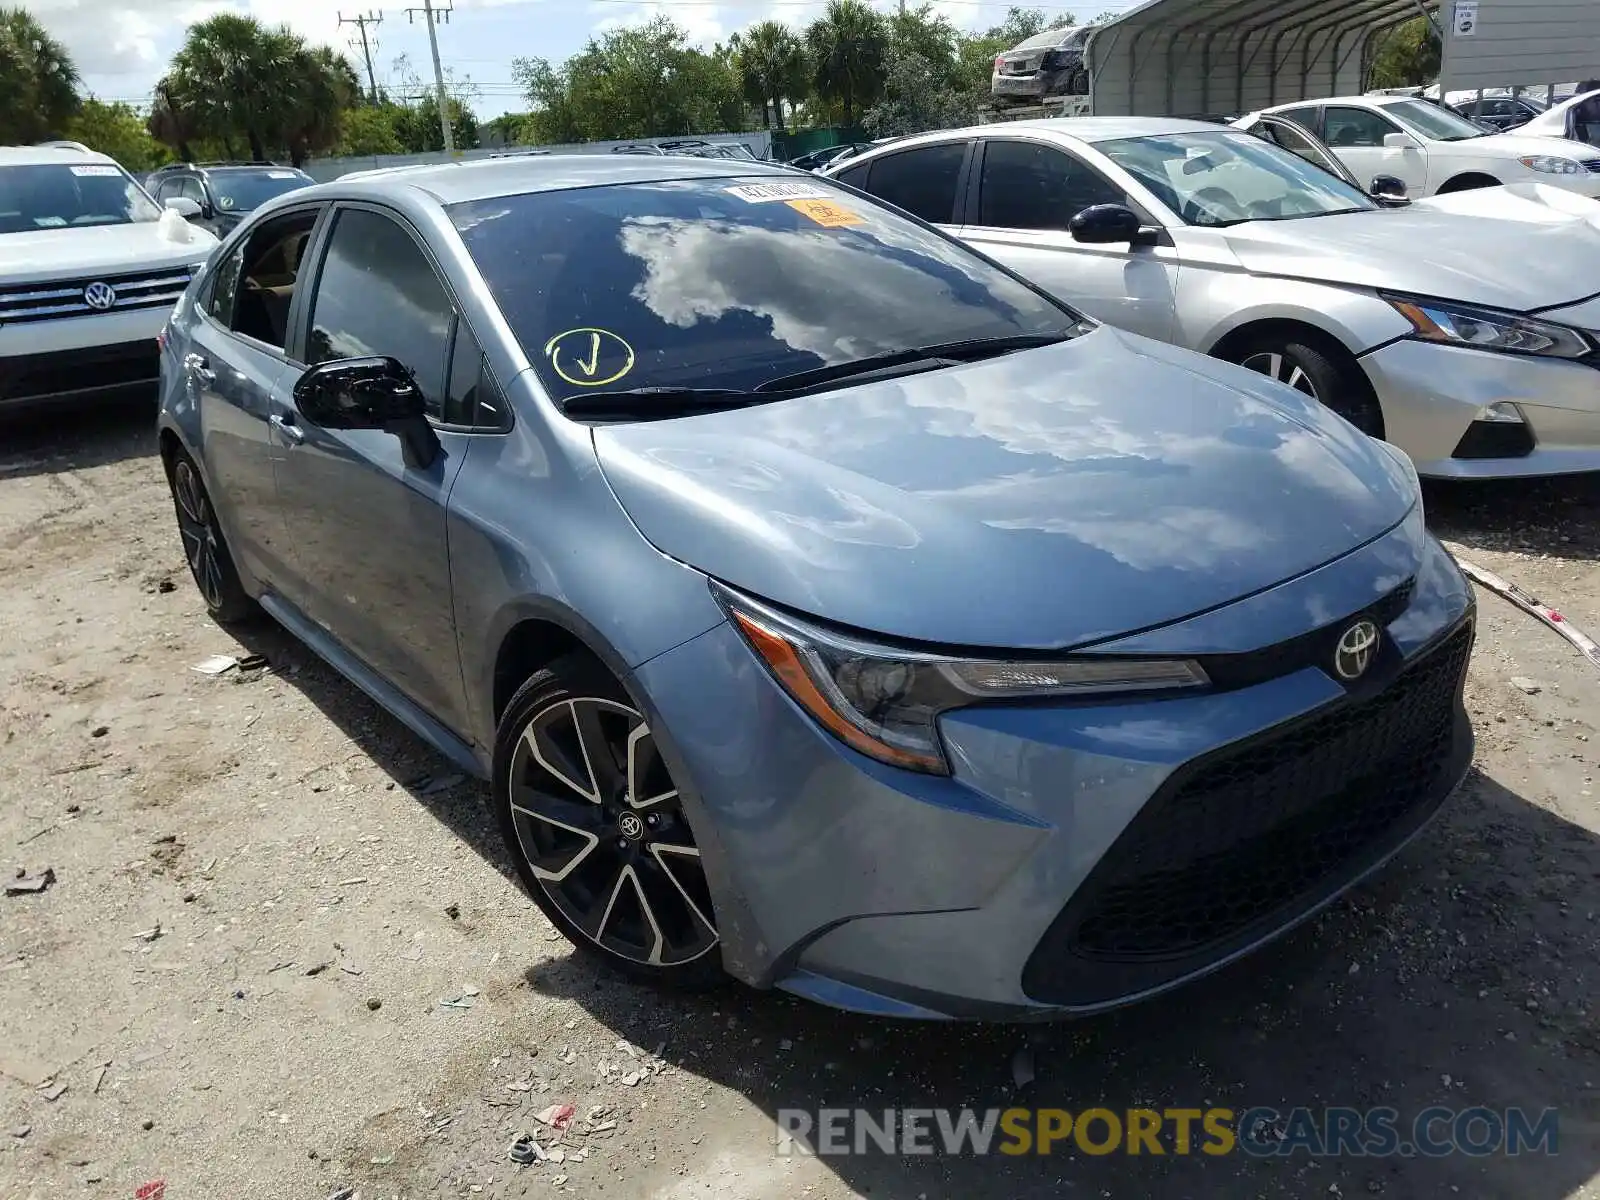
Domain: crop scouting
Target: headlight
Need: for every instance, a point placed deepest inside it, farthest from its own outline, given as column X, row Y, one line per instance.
column 885, row 702
column 1486, row 329
column 1553, row 164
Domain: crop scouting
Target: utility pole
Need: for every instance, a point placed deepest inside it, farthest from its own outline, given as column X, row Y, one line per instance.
column 433, row 14
column 361, row 23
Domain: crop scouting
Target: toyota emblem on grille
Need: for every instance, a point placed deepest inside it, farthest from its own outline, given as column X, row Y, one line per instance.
column 100, row 296
column 1354, row 653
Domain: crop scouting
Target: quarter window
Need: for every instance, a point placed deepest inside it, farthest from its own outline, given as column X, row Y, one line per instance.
column 921, row 181
column 379, row 295
column 473, row 399
column 1026, row 185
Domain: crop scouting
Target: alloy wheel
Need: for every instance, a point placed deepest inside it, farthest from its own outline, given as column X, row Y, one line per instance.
column 1284, row 369
column 600, row 824
column 201, row 545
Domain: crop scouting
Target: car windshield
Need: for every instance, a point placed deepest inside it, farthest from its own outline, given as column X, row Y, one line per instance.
column 1226, row 178
column 68, row 195
column 243, row 190
column 1434, row 122
column 730, row 283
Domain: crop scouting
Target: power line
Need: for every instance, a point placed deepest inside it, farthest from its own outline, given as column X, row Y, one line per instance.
column 433, row 16
column 361, row 23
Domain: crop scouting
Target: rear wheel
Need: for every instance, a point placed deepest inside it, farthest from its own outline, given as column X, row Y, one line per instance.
column 203, row 546
column 596, row 827
column 1325, row 373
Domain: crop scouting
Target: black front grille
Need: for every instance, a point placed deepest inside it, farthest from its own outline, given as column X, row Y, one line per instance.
column 67, row 374
column 1242, row 841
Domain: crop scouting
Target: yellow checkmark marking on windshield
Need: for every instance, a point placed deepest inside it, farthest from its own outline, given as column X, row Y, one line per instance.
column 590, row 367
column 582, row 368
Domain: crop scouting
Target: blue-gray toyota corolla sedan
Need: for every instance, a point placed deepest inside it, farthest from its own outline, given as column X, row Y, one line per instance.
column 827, row 607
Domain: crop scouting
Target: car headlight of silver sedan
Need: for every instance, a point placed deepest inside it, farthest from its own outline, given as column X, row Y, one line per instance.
column 885, row 701
column 1553, row 164
column 1488, row 329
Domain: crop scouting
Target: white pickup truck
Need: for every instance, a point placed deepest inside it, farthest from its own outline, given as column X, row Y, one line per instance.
column 90, row 269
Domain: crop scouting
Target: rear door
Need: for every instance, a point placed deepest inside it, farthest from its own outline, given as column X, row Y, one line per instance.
column 232, row 369
column 372, row 563
column 926, row 181
column 1027, row 192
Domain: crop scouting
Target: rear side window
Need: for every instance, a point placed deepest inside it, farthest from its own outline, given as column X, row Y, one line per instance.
column 378, row 294
column 921, row 181
column 1025, row 185
column 855, row 176
column 1306, row 118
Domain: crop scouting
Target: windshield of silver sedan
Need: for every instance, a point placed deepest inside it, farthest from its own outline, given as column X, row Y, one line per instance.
column 1226, row 178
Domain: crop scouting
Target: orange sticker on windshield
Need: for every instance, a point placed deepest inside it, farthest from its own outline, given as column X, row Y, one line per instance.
column 826, row 212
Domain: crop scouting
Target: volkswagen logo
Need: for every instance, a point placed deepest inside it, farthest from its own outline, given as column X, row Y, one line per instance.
column 1354, row 654
column 100, row 296
column 632, row 828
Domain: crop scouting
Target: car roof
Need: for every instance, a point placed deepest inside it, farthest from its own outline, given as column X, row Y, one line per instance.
column 1085, row 129
column 485, row 179
column 25, row 156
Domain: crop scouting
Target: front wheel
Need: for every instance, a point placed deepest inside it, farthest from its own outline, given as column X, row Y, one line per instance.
column 204, row 549
column 1317, row 372
column 597, row 829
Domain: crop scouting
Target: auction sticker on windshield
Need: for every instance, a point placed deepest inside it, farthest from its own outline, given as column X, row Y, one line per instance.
column 764, row 193
column 97, row 171
column 826, row 212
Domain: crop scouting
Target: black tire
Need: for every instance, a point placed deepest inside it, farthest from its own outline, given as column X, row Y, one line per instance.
column 1324, row 372
column 204, row 547
column 592, row 819
column 1468, row 183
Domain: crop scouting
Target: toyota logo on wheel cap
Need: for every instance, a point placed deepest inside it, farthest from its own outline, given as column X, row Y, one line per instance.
column 1354, row 654
column 632, row 827
column 100, row 296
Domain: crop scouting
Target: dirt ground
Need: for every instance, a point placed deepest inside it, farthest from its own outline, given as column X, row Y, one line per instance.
column 284, row 956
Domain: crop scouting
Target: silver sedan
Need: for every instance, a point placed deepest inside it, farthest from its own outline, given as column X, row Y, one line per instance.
column 1471, row 342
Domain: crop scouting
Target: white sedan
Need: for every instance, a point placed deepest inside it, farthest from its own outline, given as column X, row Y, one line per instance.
column 1434, row 150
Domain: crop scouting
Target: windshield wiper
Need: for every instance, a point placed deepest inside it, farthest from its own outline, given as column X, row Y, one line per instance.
column 922, row 358
column 645, row 403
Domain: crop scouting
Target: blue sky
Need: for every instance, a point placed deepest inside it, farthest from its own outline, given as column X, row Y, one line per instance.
column 121, row 53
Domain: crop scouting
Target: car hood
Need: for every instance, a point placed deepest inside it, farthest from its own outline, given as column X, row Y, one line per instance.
column 1515, row 145
column 44, row 254
column 1431, row 251
column 1046, row 499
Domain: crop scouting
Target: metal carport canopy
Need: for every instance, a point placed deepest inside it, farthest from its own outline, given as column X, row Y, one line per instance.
column 1181, row 57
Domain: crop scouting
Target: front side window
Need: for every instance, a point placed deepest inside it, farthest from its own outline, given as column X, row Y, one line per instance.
column 1226, row 178
column 921, row 181
column 1432, row 121
column 244, row 189
column 1351, row 127
column 728, row 283
column 379, row 295
column 253, row 289
column 70, row 196
column 1026, row 185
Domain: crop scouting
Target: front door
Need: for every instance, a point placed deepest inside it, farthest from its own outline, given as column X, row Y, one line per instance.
column 1027, row 193
column 1356, row 136
column 372, row 565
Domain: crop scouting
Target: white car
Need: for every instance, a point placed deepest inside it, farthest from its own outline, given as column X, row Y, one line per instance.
column 90, row 269
column 1434, row 150
column 1577, row 118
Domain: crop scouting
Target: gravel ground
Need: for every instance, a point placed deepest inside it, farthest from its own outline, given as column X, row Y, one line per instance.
column 283, row 954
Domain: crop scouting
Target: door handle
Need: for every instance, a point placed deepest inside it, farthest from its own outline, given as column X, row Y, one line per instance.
column 199, row 368
column 285, row 425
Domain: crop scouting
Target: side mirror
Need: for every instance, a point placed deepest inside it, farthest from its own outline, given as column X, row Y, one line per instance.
column 369, row 393
column 1387, row 187
column 1399, row 141
column 183, row 206
column 1105, row 224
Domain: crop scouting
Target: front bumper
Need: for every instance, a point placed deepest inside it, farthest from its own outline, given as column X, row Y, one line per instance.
column 1431, row 396
column 1022, row 887
column 80, row 358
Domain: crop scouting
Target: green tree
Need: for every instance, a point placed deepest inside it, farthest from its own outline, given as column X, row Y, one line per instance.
column 417, row 125
column 848, row 45
column 370, row 130
column 231, row 76
column 917, row 96
column 553, row 118
column 508, row 129
column 771, row 63
column 1408, row 56
column 322, row 88
column 1021, row 24
column 38, row 80
column 117, row 130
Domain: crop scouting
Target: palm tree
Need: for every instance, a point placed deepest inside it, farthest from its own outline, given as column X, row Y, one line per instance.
column 772, row 67
column 237, row 77
column 40, row 88
column 322, row 86
column 848, row 45
column 172, row 120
